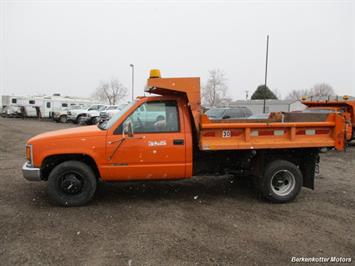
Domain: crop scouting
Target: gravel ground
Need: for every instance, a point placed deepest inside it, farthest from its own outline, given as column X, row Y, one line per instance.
column 203, row 221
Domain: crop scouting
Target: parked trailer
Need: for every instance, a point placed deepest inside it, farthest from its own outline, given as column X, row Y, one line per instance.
column 39, row 106
column 281, row 153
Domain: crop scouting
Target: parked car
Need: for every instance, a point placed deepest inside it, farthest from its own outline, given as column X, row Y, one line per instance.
column 228, row 113
column 62, row 115
column 93, row 116
column 85, row 115
column 111, row 110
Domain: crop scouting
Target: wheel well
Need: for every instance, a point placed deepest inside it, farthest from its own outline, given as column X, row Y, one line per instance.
column 305, row 159
column 52, row 161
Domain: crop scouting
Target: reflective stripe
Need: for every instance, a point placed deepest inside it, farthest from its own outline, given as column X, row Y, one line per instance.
column 278, row 132
column 255, row 133
column 310, row 132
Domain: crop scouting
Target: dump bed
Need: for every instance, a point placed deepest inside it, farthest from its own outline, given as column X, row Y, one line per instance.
column 280, row 131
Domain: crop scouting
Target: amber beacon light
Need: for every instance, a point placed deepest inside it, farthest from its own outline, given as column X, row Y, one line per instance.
column 154, row 73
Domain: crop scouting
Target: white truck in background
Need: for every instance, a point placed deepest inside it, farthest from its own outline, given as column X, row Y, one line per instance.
column 111, row 110
column 89, row 116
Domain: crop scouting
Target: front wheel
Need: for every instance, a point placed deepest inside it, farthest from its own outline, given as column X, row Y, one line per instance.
column 71, row 183
column 95, row 120
column 282, row 181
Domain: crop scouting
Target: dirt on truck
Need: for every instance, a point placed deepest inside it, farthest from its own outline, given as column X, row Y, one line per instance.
column 280, row 153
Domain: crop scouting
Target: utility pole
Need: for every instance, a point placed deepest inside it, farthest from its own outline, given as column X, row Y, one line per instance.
column 132, row 67
column 246, row 94
column 265, row 83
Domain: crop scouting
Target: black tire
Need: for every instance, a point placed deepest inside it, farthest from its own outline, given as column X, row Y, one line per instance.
column 71, row 183
column 77, row 120
column 63, row 119
column 95, row 120
column 282, row 181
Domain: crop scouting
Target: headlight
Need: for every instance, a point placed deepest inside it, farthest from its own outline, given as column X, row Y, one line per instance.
column 29, row 153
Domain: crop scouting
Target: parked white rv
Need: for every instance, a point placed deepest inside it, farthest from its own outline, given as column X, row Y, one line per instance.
column 40, row 106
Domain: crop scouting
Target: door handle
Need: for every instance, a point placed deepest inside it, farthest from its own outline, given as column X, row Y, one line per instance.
column 178, row 142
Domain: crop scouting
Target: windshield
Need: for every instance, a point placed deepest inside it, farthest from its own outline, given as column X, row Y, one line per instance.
column 108, row 123
column 215, row 113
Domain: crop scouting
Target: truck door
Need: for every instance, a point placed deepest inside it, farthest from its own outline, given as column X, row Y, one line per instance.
column 157, row 148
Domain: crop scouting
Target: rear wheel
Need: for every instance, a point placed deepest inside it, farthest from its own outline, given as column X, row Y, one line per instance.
column 63, row 119
column 71, row 183
column 282, row 181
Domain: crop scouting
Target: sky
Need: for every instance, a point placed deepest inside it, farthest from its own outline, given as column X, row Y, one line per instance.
column 69, row 47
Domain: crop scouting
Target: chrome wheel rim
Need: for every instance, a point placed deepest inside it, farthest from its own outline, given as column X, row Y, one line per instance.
column 283, row 182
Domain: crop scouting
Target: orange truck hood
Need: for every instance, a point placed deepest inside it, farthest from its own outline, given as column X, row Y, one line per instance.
column 86, row 131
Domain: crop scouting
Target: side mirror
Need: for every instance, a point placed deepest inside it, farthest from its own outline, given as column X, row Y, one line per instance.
column 128, row 129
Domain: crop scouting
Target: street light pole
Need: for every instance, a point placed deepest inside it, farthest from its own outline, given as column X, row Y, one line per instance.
column 265, row 83
column 132, row 67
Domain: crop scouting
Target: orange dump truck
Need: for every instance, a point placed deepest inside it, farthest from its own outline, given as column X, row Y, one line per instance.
column 344, row 107
column 166, row 137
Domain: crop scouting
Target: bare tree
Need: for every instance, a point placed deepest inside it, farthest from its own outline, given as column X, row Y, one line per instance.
column 214, row 91
column 318, row 90
column 112, row 92
column 297, row 94
column 277, row 93
column 322, row 90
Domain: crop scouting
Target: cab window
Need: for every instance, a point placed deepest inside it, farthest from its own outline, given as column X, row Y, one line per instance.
column 159, row 116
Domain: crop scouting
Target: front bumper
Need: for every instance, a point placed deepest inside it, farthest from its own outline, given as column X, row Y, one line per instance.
column 30, row 173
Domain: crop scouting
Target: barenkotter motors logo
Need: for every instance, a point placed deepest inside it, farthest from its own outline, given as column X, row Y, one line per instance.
column 321, row 259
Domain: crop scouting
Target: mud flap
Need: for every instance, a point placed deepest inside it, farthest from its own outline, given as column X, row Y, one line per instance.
column 308, row 167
